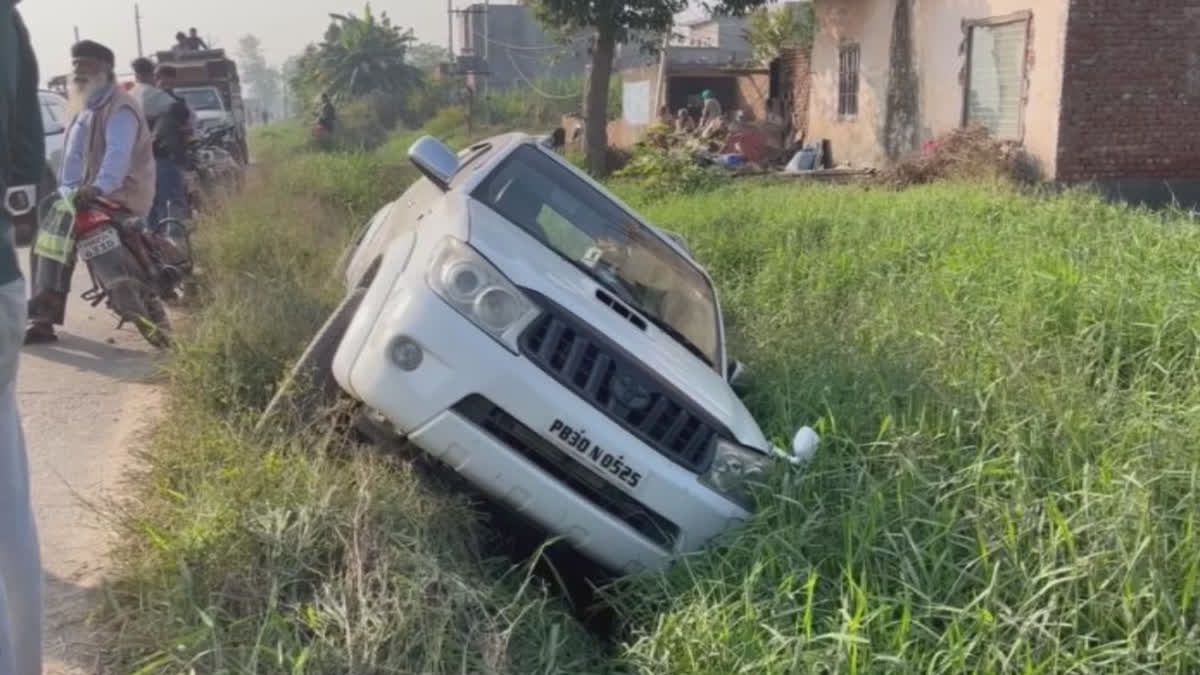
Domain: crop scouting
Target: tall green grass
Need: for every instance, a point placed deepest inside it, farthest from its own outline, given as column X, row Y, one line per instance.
column 1007, row 386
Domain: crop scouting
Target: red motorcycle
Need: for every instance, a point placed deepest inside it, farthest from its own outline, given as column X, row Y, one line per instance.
column 132, row 269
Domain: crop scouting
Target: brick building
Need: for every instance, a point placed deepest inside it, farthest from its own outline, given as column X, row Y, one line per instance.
column 1095, row 90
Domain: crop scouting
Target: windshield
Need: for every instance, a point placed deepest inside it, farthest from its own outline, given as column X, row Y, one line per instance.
column 592, row 232
column 200, row 99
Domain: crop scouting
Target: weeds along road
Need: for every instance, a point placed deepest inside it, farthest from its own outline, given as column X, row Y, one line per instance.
column 83, row 401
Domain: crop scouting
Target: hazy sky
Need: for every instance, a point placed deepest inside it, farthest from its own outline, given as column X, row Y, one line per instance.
column 284, row 26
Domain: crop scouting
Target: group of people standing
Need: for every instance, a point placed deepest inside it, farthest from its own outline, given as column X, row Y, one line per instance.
column 127, row 147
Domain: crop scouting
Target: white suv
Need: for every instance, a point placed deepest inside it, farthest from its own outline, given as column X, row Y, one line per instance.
column 516, row 321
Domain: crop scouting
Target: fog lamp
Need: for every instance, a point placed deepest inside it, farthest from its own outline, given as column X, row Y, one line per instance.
column 405, row 353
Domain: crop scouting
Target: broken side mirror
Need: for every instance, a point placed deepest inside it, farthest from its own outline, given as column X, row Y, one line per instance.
column 434, row 159
column 804, row 446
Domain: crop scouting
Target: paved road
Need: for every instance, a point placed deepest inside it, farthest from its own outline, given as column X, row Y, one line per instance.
column 83, row 401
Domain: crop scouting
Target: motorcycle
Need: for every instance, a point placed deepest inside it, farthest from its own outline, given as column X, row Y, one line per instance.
column 132, row 269
column 211, row 167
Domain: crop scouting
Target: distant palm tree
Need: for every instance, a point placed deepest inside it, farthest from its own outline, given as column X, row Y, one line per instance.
column 364, row 54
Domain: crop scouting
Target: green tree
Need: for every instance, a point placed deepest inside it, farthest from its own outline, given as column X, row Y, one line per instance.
column 770, row 30
column 360, row 55
column 426, row 56
column 264, row 80
column 614, row 21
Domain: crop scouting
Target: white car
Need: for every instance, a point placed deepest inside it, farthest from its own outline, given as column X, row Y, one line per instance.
column 516, row 321
column 206, row 104
column 54, row 120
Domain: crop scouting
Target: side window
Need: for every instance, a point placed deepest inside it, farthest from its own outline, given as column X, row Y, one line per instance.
column 848, row 62
column 995, row 82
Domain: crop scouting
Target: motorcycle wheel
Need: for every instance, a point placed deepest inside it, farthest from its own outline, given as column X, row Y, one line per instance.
column 131, row 297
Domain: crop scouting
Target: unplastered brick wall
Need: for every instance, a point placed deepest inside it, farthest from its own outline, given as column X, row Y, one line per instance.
column 796, row 74
column 1131, row 90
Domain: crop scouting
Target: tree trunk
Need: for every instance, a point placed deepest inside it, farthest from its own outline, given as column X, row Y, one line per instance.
column 596, row 115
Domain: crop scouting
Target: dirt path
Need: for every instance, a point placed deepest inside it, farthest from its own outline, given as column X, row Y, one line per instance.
column 83, row 402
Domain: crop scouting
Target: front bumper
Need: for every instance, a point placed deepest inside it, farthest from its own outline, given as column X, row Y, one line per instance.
column 460, row 362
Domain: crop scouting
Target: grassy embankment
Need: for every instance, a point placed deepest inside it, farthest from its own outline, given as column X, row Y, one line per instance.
column 1007, row 386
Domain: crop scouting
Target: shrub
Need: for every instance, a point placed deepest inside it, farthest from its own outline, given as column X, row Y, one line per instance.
column 675, row 171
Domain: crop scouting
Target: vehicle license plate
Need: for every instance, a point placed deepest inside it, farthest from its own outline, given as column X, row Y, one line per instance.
column 611, row 464
column 99, row 244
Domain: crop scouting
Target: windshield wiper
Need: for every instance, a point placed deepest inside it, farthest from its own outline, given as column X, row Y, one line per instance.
column 679, row 337
column 618, row 287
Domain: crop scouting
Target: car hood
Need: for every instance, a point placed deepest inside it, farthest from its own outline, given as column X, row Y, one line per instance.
column 529, row 263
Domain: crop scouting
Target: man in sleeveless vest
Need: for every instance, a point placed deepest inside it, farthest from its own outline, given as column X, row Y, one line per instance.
column 108, row 153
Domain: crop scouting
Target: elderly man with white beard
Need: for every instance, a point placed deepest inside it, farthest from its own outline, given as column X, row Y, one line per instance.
column 108, row 153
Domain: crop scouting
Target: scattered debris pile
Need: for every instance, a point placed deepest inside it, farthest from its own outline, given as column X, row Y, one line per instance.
column 964, row 153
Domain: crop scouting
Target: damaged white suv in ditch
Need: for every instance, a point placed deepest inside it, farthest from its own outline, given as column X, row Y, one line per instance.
column 511, row 318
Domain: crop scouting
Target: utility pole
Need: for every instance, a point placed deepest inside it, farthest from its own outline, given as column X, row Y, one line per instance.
column 450, row 28
column 487, row 66
column 137, row 22
column 77, row 33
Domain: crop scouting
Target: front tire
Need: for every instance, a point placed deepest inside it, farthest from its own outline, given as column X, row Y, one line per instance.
column 136, row 305
column 130, row 296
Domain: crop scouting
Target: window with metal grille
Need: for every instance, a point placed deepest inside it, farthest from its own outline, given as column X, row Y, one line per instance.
column 995, row 91
column 848, row 58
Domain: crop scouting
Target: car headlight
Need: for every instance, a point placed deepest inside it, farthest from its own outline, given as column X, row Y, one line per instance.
column 477, row 290
column 734, row 468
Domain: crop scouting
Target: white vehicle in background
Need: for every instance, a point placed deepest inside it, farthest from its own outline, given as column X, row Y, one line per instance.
column 54, row 124
column 54, row 120
column 513, row 319
column 206, row 104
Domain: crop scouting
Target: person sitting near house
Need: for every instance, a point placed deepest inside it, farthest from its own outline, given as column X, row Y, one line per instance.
column 181, row 43
column 683, row 122
column 664, row 117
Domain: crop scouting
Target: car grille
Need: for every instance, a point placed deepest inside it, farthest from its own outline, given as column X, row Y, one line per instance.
column 606, row 496
column 609, row 379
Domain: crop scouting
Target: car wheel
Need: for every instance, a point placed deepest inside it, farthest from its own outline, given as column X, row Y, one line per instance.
column 309, row 387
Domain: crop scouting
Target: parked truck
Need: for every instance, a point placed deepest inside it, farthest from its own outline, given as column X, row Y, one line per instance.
column 208, row 81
